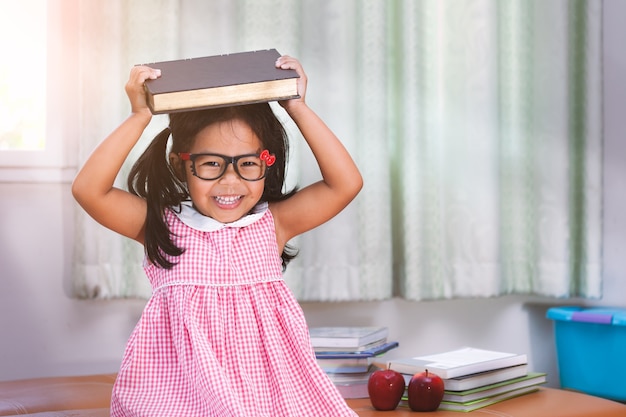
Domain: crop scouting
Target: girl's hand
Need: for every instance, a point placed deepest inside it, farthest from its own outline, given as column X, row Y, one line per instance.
column 134, row 87
column 287, row 62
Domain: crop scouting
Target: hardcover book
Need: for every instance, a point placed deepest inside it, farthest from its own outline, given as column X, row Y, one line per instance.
column 458, row 362
column 218, row 81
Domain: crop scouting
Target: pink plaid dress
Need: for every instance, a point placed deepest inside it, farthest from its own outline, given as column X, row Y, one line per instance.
column 222, row 335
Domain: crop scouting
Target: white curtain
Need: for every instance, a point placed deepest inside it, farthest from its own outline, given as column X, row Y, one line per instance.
column 114, row 35
column 476, row 126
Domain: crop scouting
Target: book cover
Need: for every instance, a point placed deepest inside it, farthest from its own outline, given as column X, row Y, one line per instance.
column 467, row 382
column 532, row 379
column 377, row 350
column 220, row 80
column 353, row 337
column 458, row 362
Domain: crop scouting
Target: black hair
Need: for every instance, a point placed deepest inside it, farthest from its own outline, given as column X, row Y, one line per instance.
column 153, row 178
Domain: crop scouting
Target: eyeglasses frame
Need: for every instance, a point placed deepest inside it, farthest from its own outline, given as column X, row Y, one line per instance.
column 230, row 160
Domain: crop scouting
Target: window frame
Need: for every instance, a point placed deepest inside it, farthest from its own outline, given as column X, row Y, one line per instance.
column 56, row 163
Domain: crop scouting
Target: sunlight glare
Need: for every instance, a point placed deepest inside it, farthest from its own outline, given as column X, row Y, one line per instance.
column 23, row 74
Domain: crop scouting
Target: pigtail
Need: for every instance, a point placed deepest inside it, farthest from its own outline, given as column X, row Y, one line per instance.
column 151, row 178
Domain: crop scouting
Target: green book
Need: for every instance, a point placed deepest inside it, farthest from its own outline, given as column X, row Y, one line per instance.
column 480, row 403
column 484, row 402
column 533, row 378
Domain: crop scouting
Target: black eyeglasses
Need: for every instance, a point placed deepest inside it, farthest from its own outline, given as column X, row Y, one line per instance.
column 211, row 166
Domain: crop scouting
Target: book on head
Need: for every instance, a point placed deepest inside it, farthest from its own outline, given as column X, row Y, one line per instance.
column 458, row 362
column 346, row 337
column 218, row 81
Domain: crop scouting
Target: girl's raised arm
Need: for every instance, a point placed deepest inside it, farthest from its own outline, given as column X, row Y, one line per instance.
column 341, row 179
column 93, row 186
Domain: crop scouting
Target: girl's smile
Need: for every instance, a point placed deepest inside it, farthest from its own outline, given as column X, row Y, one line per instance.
column 227, row 201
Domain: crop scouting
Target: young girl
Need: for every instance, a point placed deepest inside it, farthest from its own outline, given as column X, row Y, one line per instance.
column 222, row 335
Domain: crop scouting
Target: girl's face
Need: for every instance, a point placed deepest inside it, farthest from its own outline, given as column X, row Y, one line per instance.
column 229, row 197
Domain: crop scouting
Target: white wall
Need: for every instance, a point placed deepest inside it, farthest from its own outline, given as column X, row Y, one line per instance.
column 44, row 333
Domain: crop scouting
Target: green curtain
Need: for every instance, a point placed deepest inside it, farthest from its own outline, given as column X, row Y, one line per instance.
column 477, row 125
column 497, row 173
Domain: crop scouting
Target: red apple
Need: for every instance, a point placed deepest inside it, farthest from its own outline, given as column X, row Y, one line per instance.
column 385, row 388
column 425, row 391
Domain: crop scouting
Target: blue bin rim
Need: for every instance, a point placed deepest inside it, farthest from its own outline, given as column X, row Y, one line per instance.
column 598, row 315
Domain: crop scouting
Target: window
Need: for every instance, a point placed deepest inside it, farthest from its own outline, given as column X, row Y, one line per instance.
column 22, row 90
column 37, row 38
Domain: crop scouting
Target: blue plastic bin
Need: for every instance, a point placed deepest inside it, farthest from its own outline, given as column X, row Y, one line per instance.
column 591, row 350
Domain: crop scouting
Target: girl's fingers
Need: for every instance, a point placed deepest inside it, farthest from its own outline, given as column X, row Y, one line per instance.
column 139, row 75
column 134, row 86
column 287, row 62
column 142, row 73
column 154, row 73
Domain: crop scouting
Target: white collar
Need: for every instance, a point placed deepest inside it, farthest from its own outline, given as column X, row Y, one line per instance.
column 196, row 220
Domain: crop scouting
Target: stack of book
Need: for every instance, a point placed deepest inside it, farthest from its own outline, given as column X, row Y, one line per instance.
column 473, row 378
column 346, row 355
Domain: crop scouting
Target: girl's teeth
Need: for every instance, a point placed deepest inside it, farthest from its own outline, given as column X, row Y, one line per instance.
column 226, row 200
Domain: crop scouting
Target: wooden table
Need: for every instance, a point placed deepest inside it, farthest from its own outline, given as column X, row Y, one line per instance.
column 89, row 396
column 547, row 402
